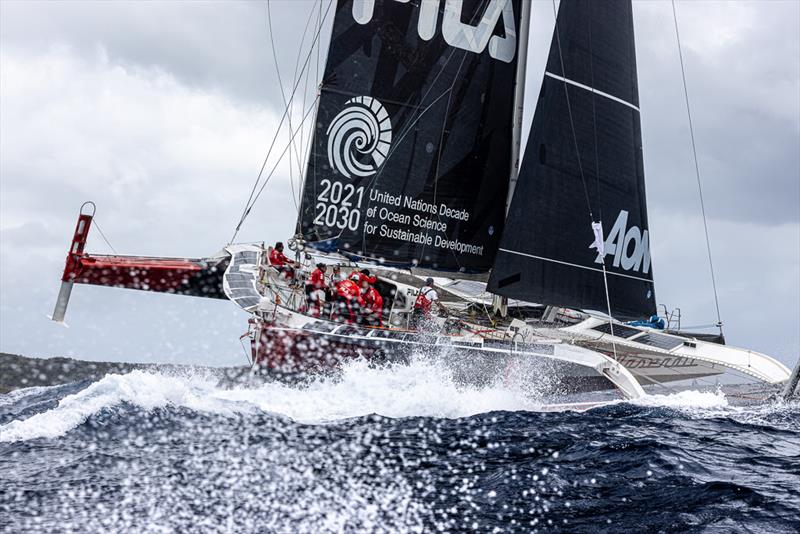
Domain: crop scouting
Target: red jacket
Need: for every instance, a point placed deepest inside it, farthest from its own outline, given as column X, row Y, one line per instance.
column 423, row 302
column 374, row 301
column 317, row 279
column 349, row 290
column 277, row 258
column 359, row 277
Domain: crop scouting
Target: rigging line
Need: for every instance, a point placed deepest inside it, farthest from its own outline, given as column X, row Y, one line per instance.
column 283, row 153
column 296, row 81
column 697, row 168
column 283, row 94
column 594, row 121
column 248, row 205
column 441, row 136
column 318, row 83
column 569, row 112
column 94, row 221
column 307, row 145
column 297, row 61
column 597, row 181
column 441, row 147
column 557, row 34
column 301, row 160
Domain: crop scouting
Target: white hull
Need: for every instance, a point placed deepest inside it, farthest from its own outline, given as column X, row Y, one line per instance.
column 581, row 357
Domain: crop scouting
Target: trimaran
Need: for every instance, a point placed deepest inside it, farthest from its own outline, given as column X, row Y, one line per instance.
column 414, row 169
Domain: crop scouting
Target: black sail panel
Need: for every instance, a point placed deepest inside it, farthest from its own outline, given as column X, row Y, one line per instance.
column 545, row 253
column 412, row 144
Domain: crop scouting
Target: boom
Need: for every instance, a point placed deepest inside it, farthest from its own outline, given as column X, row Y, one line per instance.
column 197, row 277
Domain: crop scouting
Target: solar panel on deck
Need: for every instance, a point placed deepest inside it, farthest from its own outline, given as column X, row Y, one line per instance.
column 619, row 330
column 657, row 340
column 472, row 288
column 240, row 284
column 383, row 334
column 247, row 302
column 238, row 293
column 351, row 331
column 397, row 335
column 320, row 326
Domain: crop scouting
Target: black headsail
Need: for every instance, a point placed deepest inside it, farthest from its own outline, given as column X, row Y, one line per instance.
column 413, row 138
column 583, row 161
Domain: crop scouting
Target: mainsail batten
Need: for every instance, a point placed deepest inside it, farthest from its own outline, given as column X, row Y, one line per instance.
column 583, row 161
column 413, row 138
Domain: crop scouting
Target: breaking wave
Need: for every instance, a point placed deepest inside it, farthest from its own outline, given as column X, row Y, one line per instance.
column 422, row 389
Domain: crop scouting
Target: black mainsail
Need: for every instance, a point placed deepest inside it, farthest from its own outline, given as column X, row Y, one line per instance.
column 583, row 162
column 412, row 144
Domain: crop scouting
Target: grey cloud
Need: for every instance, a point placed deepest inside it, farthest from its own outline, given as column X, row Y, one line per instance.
column 208, row 45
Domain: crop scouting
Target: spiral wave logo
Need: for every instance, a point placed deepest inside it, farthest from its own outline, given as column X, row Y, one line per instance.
column 359, row 137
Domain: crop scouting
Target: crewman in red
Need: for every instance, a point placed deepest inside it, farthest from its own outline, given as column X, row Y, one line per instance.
column 316, row 290
column 373, row 304
column 284, row 265
column 422, row 306
column 349, row 301
column 361, row 276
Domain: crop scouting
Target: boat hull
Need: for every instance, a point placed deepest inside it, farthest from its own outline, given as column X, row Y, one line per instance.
column 296, row 353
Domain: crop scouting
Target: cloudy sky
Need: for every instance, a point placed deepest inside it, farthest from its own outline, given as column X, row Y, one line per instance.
column 161, row 113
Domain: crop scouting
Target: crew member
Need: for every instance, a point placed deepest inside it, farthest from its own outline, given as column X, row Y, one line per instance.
column 316, row 290
column 336, row 276
column 361, row 276
column 373, row 303
column 422, row 306
column 282, row 264
column 348, row 301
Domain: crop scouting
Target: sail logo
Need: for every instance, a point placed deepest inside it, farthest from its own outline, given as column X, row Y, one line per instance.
column 359, row 137
column 456, row 33
column 629, row 246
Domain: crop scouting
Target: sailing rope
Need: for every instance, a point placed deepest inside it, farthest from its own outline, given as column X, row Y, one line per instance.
column 94, row 222
column 301, row 163
column 697, row 169
column 251, row 200
column 580, row 164
column 317, row 80
column 255, row 198
column 283, row 95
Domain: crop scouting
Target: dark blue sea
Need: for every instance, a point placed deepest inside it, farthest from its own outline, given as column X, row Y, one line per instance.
column 388, row 450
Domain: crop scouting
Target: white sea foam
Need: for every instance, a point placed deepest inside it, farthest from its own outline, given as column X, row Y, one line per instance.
column 420, row 389
column 146, row 390
column 689, row 399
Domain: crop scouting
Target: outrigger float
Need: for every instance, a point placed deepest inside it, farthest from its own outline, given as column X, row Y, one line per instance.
column 414, row 170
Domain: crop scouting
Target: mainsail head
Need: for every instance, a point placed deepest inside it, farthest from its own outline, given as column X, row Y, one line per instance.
column 582, row 164
column 413, row 137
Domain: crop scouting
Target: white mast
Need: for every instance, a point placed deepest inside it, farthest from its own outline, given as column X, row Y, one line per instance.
column 501, row 303
column 519, row 97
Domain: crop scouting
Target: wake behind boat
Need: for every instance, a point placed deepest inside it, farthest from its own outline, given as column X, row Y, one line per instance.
column 414, row 172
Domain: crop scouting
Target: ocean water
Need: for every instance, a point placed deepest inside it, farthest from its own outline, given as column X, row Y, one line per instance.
column 401, row 449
